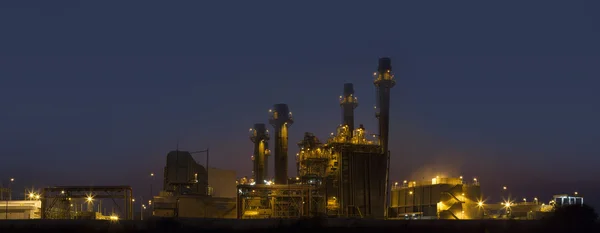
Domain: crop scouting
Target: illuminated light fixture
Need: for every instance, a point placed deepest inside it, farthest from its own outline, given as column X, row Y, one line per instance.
column 504, row 187
column 480, row 203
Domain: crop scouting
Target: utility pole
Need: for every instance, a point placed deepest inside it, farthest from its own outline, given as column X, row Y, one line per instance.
column 151, row 182
column 9, row 195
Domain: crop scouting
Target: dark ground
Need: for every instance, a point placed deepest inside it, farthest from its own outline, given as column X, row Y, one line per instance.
column 306, row 225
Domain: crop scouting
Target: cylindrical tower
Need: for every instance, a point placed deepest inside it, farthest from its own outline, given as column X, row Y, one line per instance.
column 348, row 102
column 384, row 81
column 281, row 119
column 259, row 135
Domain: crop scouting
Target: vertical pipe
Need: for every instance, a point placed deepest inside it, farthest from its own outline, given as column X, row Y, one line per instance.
column 260, row 137
column 348, row 102
column 387, row 182
column 281, row 120
column 384, row 81
column 207, row 184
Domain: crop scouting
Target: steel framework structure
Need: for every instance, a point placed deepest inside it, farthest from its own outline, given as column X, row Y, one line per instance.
column 56, row 201
column 280, row 201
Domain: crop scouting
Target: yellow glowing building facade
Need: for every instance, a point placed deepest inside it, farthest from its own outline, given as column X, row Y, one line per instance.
column 438, row 198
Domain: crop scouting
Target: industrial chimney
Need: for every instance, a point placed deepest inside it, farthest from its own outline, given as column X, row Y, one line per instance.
column 259, row 135
column 281, row 119
column 348, row 102
column 384, row 81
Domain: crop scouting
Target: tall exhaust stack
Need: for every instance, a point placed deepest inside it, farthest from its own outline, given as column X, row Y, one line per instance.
column 259, row 135
column 281, row 119
column 348, row 102
column 384, row 81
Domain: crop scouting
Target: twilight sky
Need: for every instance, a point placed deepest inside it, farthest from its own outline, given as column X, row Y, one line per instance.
column 97, row 92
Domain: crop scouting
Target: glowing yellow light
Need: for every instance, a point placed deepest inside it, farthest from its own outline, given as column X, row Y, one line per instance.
column 31, row 195
column 507, row 204
column 480, row 203
column 133, row 200
column 37, row 196
column 576, row 193
column 12, row 179
column 251, row 213
column 410, row 192
column 504, row 187
column 89, row 199
column 114, row 218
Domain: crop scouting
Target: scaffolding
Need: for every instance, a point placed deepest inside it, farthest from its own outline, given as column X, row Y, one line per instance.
column 57, row 202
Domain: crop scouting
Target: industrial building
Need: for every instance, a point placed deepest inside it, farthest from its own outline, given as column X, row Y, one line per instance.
column 85, row 202
column 438, row 198
column 346, row 176
column 190, row 192
column 457, row 199
column 20, row 209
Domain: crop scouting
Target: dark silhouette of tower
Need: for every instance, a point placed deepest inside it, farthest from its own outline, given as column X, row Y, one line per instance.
column 259, row 135
column 384, row 81
column 281, row 119
column 348, row 102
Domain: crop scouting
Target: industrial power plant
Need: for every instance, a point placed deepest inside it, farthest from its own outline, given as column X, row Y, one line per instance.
column 345, row 175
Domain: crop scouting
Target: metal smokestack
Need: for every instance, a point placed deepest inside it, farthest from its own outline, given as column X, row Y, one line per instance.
column 384, row 81
column 281, row 119
column 348, row 102
column 259, row 135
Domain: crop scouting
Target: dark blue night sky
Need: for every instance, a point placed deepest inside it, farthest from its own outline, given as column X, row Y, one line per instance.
column 97, row 92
